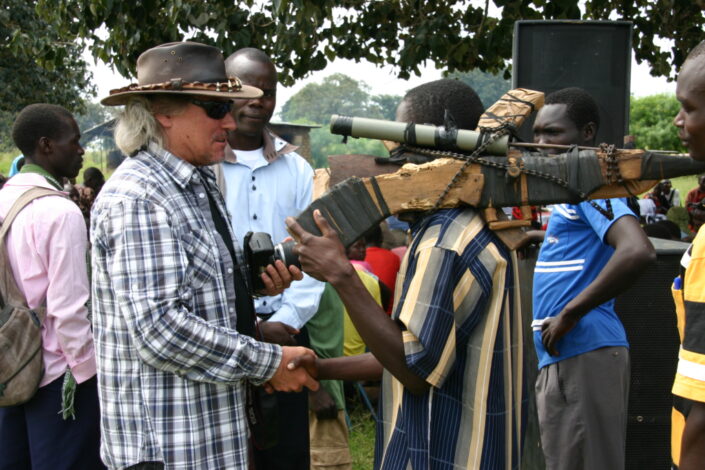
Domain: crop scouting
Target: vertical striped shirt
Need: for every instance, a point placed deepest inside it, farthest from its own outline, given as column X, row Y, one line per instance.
column 171, row 367
column 460, row 317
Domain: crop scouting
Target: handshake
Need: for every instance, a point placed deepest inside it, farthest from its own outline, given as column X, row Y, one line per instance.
column 296, row 370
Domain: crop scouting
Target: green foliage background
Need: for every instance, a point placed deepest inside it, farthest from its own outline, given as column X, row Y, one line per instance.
column 341, row 94
column 37, row 65
column 651, row 122
column 304, row 35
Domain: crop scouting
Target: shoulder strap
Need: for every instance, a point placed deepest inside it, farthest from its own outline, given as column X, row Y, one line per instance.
column 9, row 292
column 26, row 197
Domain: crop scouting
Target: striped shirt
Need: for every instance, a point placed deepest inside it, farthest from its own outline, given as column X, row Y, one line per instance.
column 171, row 367
column 460, row 317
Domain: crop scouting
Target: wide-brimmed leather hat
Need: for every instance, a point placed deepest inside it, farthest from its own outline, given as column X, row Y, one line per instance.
column 182, row 68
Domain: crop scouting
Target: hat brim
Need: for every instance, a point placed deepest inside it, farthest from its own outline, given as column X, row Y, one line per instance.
column 121, row 98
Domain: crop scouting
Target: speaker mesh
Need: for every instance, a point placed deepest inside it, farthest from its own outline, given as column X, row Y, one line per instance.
column 647, row 312
column 649, row 317
column 593, row 55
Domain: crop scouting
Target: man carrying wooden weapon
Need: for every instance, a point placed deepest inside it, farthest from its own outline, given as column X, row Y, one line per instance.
column 452, row 390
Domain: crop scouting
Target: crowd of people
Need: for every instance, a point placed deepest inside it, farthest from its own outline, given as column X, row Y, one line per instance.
column 184, row 362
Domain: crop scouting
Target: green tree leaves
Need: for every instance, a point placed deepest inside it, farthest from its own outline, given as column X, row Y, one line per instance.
column 37, row 65
column 337, row 94
column 489, row 87
column 304, row 35
column 651, row 122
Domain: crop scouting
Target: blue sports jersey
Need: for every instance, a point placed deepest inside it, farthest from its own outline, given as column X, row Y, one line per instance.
column 572, row 255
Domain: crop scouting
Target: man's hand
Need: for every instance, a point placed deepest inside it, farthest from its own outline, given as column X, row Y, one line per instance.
column 321, row 403
column 308, row 362
column 553, row 329
column 278, row 333
column 322, row 257
column 278, row 277
column 288, row 378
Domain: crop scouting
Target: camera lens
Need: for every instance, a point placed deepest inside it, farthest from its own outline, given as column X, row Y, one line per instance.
column 285, row 252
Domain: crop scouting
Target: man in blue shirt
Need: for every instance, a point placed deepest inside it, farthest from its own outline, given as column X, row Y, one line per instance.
column 263, row 181
column 591, row 252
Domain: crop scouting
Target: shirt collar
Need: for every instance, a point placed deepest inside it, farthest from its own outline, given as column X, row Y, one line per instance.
column 178, row 169
column 274, row 147
column 30, row 179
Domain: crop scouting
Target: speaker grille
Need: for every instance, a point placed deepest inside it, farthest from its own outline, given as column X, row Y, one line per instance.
column 649, row 317
column 593, row 55
column 647, row 312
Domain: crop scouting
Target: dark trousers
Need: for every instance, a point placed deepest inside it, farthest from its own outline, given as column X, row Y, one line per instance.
column 292, row 451
column 35, row 436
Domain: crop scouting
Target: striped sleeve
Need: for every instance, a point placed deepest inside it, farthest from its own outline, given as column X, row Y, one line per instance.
column 427, row 314
column 690, row 376
column 448, row 291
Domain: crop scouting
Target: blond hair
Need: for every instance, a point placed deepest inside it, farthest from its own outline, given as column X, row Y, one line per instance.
column 136, row 125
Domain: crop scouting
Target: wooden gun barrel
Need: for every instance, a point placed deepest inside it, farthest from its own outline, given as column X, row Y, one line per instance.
column 357, row 204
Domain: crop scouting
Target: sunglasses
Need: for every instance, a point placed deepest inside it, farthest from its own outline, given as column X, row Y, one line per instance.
column 214, row 109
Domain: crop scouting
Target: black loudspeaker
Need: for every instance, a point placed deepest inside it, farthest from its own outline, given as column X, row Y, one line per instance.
column 649, row 316
column 593, row 55
column 647, row 312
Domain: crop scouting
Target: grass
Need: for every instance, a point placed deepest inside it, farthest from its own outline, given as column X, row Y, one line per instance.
column 684, row 184
column 361, row 437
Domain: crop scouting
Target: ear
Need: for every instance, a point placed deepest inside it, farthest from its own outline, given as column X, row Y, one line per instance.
column 44, row 145
column 589, row 132
column 164, row 120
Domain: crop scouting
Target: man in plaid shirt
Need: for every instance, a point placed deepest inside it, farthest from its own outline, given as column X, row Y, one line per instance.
column 172, row 309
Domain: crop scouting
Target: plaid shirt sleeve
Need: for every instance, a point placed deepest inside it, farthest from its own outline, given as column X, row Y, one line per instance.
column 169, row 291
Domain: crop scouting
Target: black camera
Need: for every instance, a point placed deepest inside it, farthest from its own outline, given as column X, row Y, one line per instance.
column 260, row 252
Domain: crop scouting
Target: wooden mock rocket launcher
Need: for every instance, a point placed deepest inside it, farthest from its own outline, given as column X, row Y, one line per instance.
column 484, row 169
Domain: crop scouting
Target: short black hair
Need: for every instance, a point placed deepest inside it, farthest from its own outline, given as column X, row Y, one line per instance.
column 92, row 175
column 427, row 103
column 696, row 52
column 374, row 236
column 657, row 230
column 251, row 53
column 580, row 106
column 36, row 121
column 666, row 229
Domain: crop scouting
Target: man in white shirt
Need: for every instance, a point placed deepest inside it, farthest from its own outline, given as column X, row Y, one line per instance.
column 264, row 181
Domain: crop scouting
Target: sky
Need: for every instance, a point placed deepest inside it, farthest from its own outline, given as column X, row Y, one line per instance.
column 382, row 80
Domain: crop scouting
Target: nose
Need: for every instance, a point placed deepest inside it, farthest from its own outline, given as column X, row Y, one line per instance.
column 678, row 120
column 540, row 138
column 228, row 122
column 81, row 150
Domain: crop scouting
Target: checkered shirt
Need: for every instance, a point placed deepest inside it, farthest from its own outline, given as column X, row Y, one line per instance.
column 171, row 367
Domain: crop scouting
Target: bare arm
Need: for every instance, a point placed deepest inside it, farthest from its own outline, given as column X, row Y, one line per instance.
column 360, row 367
column 693, row 444
column 324, row 258
column 633, row 252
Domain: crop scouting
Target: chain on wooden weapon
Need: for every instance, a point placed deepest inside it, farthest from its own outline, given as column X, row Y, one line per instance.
column 480, row 177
